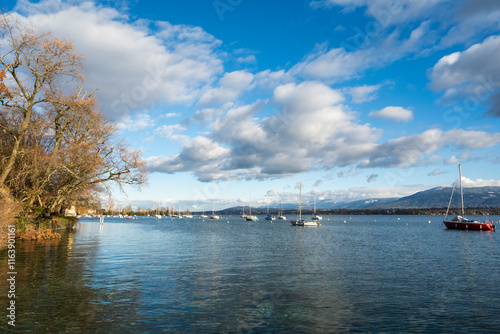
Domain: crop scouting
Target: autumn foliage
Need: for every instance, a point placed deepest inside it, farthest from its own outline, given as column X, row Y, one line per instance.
column 32, row 234
column 57, row 148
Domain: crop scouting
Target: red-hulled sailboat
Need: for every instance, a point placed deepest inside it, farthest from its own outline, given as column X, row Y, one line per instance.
column 460, row 222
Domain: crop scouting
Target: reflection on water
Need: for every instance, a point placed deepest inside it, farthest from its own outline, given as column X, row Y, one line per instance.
column 363, row 275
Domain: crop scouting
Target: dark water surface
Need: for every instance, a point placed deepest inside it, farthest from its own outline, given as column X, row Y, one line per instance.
column 352, row 274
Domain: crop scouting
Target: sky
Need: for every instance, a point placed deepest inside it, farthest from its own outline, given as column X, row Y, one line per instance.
column 237, row 101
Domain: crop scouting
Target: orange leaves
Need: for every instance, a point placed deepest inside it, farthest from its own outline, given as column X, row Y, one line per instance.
column 3, row 89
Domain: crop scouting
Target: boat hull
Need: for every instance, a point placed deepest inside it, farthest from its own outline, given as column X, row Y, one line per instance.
column 469, row 225
column 303, row 223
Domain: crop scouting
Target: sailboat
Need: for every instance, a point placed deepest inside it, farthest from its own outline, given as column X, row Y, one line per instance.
column 315, row 217
column 300, row 221
column 156, row 214
column 251, row 218
column 280, row 215
column 460, row 222
column 269, row 217
column 214, row 216
column 187, row 213
column 243, row 215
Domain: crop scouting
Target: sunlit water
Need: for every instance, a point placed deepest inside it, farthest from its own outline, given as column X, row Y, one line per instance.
column 351, row 274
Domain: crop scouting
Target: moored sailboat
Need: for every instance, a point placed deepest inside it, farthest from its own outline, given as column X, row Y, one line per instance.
column 269, row 217
column 280, row 215
column 249, row 217
column 214, row 216
column 300, row 221
column 459, row 222
column 315, row 217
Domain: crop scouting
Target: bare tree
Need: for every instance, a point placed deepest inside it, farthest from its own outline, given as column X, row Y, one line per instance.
column 56, row 145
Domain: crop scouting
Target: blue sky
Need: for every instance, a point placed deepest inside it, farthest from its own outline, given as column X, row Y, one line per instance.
column 355, row 98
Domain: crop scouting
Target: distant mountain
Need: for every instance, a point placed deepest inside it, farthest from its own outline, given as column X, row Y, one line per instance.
column 439, row 197
column 479, row 197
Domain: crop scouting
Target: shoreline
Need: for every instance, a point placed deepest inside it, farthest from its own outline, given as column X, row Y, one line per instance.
column 44, row 229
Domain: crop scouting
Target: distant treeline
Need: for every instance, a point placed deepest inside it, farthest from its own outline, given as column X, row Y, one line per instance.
column 400, row 211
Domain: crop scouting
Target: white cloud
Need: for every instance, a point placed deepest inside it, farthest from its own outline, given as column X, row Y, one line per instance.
column 466, row 182
column 272, row 192
column 250, row 59
column 208, row 114
column 386, row 12
column 311, row 130
column 350, row 61
column 169, row 115
column 231, row 85
column 168, row 131
column 363, row 93
column 473, row 75
column 200, row 154
column 398, row 114
column 268, row 79
column 471, row 18
column 434, row 25
column 133, row 66
column 135, row 123
column 453, row 160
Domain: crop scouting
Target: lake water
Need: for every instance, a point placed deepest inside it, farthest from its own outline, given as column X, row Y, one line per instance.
column 351, row 274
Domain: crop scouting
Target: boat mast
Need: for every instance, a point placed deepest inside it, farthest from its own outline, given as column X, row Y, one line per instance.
column 300, row 201
column 461, row 192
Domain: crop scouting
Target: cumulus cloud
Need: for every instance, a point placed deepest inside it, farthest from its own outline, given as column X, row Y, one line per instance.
column 200, row 154
column 466, row 182
column 434, row 25
column 351, row 60
column 311, row 130
column 135, row 123
column 398, row 114
column 272, row 192
column 385, row 11
column 136, row 64
column 472, row 75
column 363, row 93
column 453, row 160
column 250, row 59
column 231, row 85
column 168, row 131
column 413, row 150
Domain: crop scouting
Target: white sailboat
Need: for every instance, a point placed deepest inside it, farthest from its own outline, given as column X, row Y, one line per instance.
column 251, row 218
column 280, row 215
column 243, row 215
column 300, row 221
column 156, row 213
column 214, row 216
column 315, row 217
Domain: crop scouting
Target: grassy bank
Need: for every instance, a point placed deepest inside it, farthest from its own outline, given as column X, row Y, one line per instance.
column 41, row 229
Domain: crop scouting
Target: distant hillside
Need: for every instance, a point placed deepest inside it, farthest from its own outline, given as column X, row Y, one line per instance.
column 480, row 197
